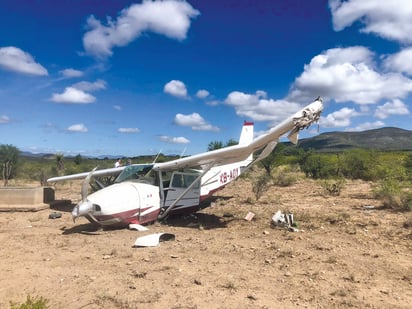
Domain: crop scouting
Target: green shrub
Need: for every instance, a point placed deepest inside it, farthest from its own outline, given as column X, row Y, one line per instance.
column 393, row 196
column 284, row 176
column 317, row 165
column 31, row 303
column 357, row 163
column 389, row 191
column 333, row 186
column 260, row 185
column 407, row 201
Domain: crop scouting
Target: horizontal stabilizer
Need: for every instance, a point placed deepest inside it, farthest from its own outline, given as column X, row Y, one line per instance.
column 294, row 136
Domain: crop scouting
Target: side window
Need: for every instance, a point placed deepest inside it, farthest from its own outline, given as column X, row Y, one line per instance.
column 178, row 181
column 189, row 179
column 184, row 180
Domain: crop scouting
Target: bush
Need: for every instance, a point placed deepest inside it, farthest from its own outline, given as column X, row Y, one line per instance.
column 393, row 196
column 317, row 166
column 284, row 176
column 408, row 165
column 407, row 201
column 260, row 185
column 31, row 303
column 357, row 164
column 333, row 186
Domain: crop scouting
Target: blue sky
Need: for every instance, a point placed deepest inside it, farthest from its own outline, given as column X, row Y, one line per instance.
column 115, row 77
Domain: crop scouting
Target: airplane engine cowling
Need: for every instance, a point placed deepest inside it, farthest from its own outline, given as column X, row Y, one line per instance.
column 124, row 203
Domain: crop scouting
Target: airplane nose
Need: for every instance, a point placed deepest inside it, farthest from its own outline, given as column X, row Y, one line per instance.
column 82, row 209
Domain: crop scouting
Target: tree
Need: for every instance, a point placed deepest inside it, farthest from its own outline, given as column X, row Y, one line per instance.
column 318, row 165
column 273, row 159
column 8, row 157
column 358, row 164
column 218, row 144
column 231, row 142
column 408, row 165
column 59, row 161
column 78, row 159
column 214, row 145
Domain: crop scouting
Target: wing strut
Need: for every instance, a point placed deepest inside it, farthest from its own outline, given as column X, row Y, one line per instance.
column 166, row 212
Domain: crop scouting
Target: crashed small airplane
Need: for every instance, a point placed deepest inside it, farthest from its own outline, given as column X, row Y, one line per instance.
column 144, row 193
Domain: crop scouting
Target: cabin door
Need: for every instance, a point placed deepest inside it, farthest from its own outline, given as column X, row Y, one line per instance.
column 179, row 182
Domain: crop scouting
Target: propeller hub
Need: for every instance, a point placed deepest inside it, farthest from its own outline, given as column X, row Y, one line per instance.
column 85, row 206
column 82, row 209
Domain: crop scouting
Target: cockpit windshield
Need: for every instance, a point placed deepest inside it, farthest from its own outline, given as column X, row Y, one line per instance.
column 134, row 172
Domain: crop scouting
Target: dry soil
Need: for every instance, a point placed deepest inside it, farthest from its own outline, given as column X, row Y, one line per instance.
column 349, row 252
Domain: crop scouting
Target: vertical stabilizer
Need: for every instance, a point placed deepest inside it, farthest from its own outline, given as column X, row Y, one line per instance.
column 246, row 136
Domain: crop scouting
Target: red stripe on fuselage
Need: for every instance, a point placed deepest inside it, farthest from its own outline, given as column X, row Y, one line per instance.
column 129, row 216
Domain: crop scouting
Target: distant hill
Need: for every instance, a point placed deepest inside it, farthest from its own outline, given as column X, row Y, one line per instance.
column 53, row 155
column 387, row 139
column 29, row 154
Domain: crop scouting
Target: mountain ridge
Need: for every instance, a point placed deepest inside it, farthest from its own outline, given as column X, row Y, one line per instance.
column 386, row 139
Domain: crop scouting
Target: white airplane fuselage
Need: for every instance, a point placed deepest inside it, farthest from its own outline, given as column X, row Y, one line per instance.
column 140, row 201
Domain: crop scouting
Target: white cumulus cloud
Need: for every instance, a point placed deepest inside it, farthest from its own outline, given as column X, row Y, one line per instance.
column 80, row 127
column 367, row 126
column 400, row 62
column 195, row 121
column 174, row 140
column 88, row 86
column 396, row 107
column 259, row 107
column 70, row 73
column 16, row 60
column 339, row 118
column 176, row 88
column 169, row 18
column 128, row 130
column 4, row 119
column 73, row 95
column 202, row 94
column 348, row 74
column 388, row 19
column 78, row 93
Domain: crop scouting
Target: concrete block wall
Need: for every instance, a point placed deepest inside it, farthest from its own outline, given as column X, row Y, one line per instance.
column 38, row 197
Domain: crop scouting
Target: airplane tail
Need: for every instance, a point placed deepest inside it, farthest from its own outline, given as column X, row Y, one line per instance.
column 246, row 137
column 219, row 176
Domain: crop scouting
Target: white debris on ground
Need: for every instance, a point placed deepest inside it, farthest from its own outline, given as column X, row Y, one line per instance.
column 280, row 219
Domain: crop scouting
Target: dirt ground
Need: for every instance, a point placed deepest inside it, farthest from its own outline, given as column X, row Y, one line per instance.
column 344, row 255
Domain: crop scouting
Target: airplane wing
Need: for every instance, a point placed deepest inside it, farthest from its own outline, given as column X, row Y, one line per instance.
column 104, row 172
column 297, row 122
